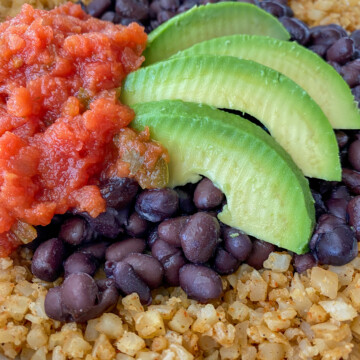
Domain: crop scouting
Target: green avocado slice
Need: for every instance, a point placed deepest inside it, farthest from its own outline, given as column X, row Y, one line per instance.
column 320, row 80
column 267, row 195
column 288, row 112
column 209, row 21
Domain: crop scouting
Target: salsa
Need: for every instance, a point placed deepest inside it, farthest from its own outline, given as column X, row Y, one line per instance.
column 60, row 73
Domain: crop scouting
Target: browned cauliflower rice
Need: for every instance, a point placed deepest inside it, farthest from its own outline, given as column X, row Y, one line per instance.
column 270, row 314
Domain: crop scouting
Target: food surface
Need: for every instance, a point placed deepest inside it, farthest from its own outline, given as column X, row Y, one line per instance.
column 277, row 305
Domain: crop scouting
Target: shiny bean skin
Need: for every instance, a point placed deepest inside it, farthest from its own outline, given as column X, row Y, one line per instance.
column 54, row 307
column 75, row 231
column 128, row 282
column 341, row 51
column 106, row 224
column 304, row 262
column 353, row 210
column 119, row 250
column 169, row 230
column 107, row 299
column 351, row 73
column 326, row 223
column 135, row 9
column 47, row 260
column 172, row 266
column 224, row 262
column 338, row 247
column 79, row 293
column 162, row 250
column 236, row 243
column 319, row 49
column 152, row 237
column 118, row 192
column 157, row 204
column 297, row 29
column 337, row 207
column 97, row 250
column 207, row 196
column 354, row 154
column 80, row 262
column 147, row 268
column 200, row 283
column 341, row 192
column 259, row 253
column 136, row 226
column 325, row 35
column 109, row 267
column 351, row 179
column 275, row 9
column 97, row 7
column 199, row 237
column 342, row 138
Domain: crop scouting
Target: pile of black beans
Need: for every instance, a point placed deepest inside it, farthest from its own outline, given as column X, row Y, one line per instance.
column 170, row 237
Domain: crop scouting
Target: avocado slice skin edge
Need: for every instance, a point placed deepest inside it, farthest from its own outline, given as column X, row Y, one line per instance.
column 209, row 21
column 292, row 117
column 267, row 195
column 320, row 80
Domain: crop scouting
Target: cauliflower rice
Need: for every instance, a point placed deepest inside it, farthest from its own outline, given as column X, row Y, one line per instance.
column 270, row 314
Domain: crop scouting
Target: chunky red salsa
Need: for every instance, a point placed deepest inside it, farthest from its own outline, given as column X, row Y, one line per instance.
column 59, row 113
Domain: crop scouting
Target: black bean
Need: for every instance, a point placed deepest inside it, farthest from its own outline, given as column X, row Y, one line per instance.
column 319, row 49
column 187, row 5
column 136, row 9
column 47, row 260
column 336, row 66
column 106, row 224
column 164, row 15
column 275, row 9
column 337, row 207
column 128, row 282
column 171, row 5
column 259, row 253
column 341, row 51
column 108, row 16
column 324, row 35
column 161, row 250
column 136, row 226
column 304, row 262
column 355, row 36
column 147, row 268
column 224, row 262
column 351, row 179
column 153, row 236
column 341, row 192
column 97, row 250
column 356, row 92
column 354, row 154
column 351, row 73
column 80, row 262
column 127, row 21
column 79, row 293
column 169, row 230
column 97, row 7
column 186, row 204
column 199, row 237
column 157, row 205
column 237, row 243
column 172, row 266
column 200, row 283
column 326, row 223
column 342, row 138
column 353, row 211
column 154, row 8
column 338, row 247
column 109, row 267
column 297, row 29
column 207, row 196
column 75, row 231
column 119, row 192
column 107, row 299
column 255, row 2
column 320, row 207
column 119, row 250
column 54, row 307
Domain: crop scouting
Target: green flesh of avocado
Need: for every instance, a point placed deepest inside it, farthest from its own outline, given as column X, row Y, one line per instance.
column 209, row 21
column 320, row 80
column 295, row 121
column 267, row 196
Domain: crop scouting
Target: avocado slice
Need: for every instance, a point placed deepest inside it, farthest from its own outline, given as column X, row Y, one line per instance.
column 320, row 80
column 288, row 112
column 267, row 195
column 209, row 21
